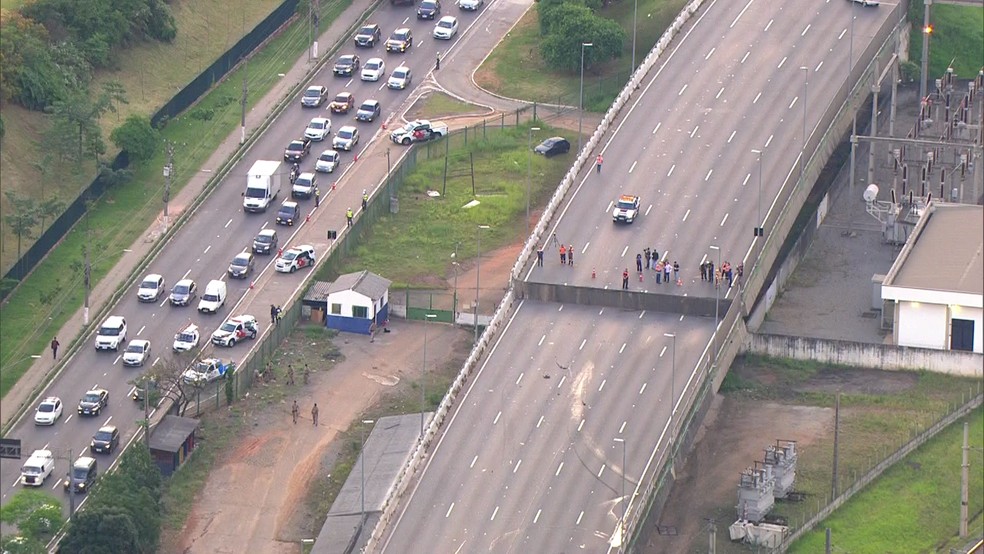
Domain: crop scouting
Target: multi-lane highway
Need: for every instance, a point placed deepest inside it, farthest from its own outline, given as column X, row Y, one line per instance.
column 531, row 459
column 203, row 248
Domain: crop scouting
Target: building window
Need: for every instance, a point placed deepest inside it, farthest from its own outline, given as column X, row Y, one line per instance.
column 360, row 312
column 336, row 309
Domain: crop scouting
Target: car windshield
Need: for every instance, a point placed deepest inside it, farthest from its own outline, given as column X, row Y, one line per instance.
column 290, row 255
column 228, row 327
column 137, row 348
column 210, row 298
column 346, row 60
column 301, row 182
column 202, row 367
column 180, row 289
column 367, row 30
column 445, row 24
column 47, row 407
column 327, row 157
column 373, row 65
column 80, row 472
column 103, row 436
column 149, row 284
column 400, row 35
column 295, row 146
column 109, row 331
column 341, row 98
column 317, row 125
column 186, row 337
column 91, row 397
column 240, row 261
column 264, row 239
column 312, row 93
column 367, row 107
column 400, row 73
column 286, row 212
column 254, row 192
column 345, row 134
column 428, row 5
column 625, row 205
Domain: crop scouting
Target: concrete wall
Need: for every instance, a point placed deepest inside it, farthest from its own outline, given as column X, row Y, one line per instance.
column 882, row 356
column 621, row 299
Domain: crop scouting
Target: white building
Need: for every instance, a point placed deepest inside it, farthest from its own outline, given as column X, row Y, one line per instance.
column 937, row 282
column 356, row 301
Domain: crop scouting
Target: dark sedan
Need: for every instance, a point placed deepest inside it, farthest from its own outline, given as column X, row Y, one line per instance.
column 241, row 266
column 429, row 9
column 553, row 147
column 105, row 440
column 347, row 65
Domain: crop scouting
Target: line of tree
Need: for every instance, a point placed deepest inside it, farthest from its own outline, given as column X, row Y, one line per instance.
column 50, row 47
column 566, row 24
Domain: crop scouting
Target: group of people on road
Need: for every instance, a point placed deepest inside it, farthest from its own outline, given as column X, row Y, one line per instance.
column 276, row 314
column 566, row 252
column 295, row 412
column 718, row 275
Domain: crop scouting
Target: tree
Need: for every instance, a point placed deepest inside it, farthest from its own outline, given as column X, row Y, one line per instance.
column 80, row 114
column 50, row 208
column 573, row 25
column 101, row 529
column 23, row 217
column 137, row 137
column 170, row 383
column 28, row 72
column 35, row 513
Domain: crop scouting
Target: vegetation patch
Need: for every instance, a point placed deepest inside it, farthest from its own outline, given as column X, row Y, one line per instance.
column 957, row 37
column 437, row 105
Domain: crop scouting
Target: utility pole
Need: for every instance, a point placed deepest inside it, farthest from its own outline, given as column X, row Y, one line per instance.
column 168, row 172
column 711, row 537
column 87, row 272
column 829, row 546
column 833, row 480
column 71, row 487
column 924, row 68
column 146, row 407
column 964, row 481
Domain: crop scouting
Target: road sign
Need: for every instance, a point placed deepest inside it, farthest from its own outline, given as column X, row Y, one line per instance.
column 10, row 448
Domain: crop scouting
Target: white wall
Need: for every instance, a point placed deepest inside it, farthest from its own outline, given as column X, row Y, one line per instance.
column 348, row 299
column 921, row 325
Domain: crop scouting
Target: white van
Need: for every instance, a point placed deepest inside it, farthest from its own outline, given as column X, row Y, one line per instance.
column 37, row 468
column 213, row 298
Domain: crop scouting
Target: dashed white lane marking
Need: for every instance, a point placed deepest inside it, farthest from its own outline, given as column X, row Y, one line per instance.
column 840, row 36
column 156, row 360
column 624, row 250
column 475, row 459
column 620, row 350
column 745, row 57
column 681, row 90
column 583, row 342
column 670, row 172
column 622, row 428
column 540, row 422
column 768, row 26
column 747, row 177
column 768, row 142
column 227, row 224
column 657, row 127
column 663, row 351
column 708, row 176
column 649, row 209
column 493, row 513
column 585, row 249
column 602, row 470
column 642, row 313
column 784, row 58
column 723, row 220
column 537, row 516
column 632, row 166
column 580, row 425
column 185, row 276
column 520, row 378
column 807, row 30
column 709, row 54
column 720, row 92
column 561, row 383
column 560, row 467
column 516, row 468
column 694, row 132
column 643, row 389
column 141, row 330
column 451, row 507
column 732, row 136
column 497, row 416
column 578, row 522
column 793, row 103
column 819, row 65
column 757, row 96
column 603, row 381
column 541, row 340
column 686, row 215
column 207, row 248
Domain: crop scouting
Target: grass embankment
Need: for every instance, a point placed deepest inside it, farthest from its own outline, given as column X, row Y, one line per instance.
column 412, row 246
column 915, row 505
column 515, row 68
column 150, row 72
column 873, row 425
column 958, row 36
column 54, row 291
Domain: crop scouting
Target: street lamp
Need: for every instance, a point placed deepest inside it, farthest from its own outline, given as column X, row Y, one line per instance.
column 478, row 276
column 672, row 374
column 423, row 375
column 529, row 172
column 86, row 277
column 635, row 13
column 760, row 228
column 580, row 102
column 624, row 500
column 454, row 299
column 363, row 464
column 717, row 300
column 806, row 82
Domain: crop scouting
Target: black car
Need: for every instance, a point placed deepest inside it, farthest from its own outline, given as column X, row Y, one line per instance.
column 241, row 266
column 297, row 150
column 93, row 402
column 265, row 242
column 82, row 476
column 368, row 36
column 553, row 146
column 347, row 65
column 105, row 440
column 289, row 213
column 429, row 9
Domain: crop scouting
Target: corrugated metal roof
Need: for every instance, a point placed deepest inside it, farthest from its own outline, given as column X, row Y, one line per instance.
column 318, row 292
column 363, row 282
column 171, row 433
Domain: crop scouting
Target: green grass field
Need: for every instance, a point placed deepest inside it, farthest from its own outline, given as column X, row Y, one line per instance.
column 45, row 301
column 914, row 506
column 958, row 37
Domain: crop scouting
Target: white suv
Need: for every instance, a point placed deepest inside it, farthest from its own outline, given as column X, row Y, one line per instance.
column 111, row 334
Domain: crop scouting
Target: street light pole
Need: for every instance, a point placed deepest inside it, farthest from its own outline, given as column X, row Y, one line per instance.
column 635, row 13
column 761, row 224
column 806, row 80
column 672, row 374
column 454, row 300
column 580, row 102
column 529, row 177
column 624, row 500
column 423, row 375
column 478, row 276
column 717, row 300
column 362, row 455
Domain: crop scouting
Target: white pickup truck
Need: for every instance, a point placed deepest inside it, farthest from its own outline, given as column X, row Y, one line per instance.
column 420, row 130
column 37, row 468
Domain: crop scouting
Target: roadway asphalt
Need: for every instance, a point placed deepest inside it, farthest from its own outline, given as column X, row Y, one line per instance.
column 494, row 482
column 202, row 249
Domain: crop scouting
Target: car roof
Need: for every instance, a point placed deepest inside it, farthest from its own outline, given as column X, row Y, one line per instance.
column 139, row 341
column 184, row 282
column 267, row 233
column 628, row 198
column 153, row 276
column 107, row 428
column 449, row 18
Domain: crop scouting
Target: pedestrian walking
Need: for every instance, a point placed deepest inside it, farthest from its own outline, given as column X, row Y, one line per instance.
column 659, row 272
column 365, row 199
column 703, row 271
column 598, row 162
column 348, row 217
column 639, row 263
column 314, row 414
column 563, row 255
column 676, row 271
column 295, row 410
column 570, row 254
column 648, row 255
column 437, row 61
column 290, row 375
column 625, row 279
column 539, row 257
column 54, row 348
column 666, row 272
column 741, row 269
column 317, row 196
column 273, row 314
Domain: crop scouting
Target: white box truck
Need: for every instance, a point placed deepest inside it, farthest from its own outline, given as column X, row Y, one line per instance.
column 263, row 185
column 37, row 468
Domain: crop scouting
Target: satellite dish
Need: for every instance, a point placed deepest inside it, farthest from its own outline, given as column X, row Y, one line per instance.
column 870, row 193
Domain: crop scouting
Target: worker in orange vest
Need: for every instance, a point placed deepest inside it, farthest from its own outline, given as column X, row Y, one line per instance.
column 563, row 255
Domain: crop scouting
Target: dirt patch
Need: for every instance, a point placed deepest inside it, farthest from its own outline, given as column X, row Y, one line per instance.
column 257, row 498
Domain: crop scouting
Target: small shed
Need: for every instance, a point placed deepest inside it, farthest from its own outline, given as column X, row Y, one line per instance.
column 172, row 441
column 314, row 305
column 357, row 302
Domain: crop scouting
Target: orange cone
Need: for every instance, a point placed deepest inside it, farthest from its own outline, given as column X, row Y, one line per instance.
column 333, row 185
column 640, row 277
column 251, row 284
column 592, row 273
column 307, row 218
column 679, row 282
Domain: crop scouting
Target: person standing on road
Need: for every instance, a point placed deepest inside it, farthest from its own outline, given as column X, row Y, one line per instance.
column 539, row 257
column 703, row 271
column 273, row 314
column 563, row 255
column 655, row 257
column 314, row 414
column 317, row 196
column 648, row 255
column 295, row 410
column 676, row 271
column 570, row 254
column 598, row 162
column 710, row 271
column 639, row 263
column 365, row 199
column 666, row 272
column 659, row 272
column 54, row 348
column 625, row 279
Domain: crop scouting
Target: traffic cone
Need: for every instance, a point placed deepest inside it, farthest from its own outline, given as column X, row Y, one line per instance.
column 333, row 185
column 640, row 276
column 356, row 158
column 307, row 218
column 592, row 273
column 252, row 284
column 679, row 282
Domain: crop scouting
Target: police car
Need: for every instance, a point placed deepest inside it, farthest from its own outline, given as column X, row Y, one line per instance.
column 626, row 209
column 236, row 329
column 296, row 258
